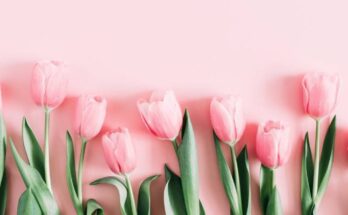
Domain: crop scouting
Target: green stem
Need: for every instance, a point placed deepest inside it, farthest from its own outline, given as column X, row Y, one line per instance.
column 47, row 150
column 316, row 158
column 236, row 171
column 175, row 146
column 273, row 178
column 130, row 192
column 80, row 170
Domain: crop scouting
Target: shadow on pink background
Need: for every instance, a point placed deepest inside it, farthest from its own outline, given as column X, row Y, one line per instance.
column 125, row 49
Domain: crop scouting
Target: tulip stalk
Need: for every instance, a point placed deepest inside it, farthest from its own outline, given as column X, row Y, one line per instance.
column 235, row 169
column 47, row 149
column 316, row 158
column 130, row 192
column 80, row 170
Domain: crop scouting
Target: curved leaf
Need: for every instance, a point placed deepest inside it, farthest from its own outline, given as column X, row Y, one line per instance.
column 274, row 204
column 174, row 203
column 326, row 160
column 226, row 177
column 93, row 208
column 27, row 204
column 33, row 149
column 266, row 187
column 144, row 198
column 122, row 190
column 201, row 208
column 306, row 178
column 244, row 178
column 71, row 174
column 33, row 179
column 188, row 163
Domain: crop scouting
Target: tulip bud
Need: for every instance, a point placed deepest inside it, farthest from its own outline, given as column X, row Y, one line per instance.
column 89, row 116
column 119, row 151
column 49, row 83
column 272, row 144
column 227, row 118
column 320, row 94
column 162, row 115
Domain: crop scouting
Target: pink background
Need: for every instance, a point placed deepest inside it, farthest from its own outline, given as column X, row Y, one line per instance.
column 125, row 49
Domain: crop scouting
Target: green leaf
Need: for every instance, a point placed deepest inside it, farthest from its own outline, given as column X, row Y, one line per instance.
column 122, row 190
column 306, row 178
column 144, row 198
column 93, row 208
column 27, row 204
column 226, row 177
column 71, row 174
column 33, row 179
column 174, row 203
column 3, row 194
column 266, row 187
column 33, row 149
column 326, row 160
column 189, row 167
column 244, row 179
column 274, row 204
column 201, row 208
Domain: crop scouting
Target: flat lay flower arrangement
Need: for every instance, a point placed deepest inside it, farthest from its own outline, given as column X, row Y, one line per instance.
column 165, row 119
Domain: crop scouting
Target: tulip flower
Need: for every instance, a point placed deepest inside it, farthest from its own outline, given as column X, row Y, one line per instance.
column 49, row 83
column 227, row 118
column 89, row 116
column 48, row 88
column 119, row 151
column 162, row 115
column 272, row 144
column 319, row 94
column 273, row 150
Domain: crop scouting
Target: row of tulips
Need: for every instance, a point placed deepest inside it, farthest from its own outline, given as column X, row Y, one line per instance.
column 163, row 117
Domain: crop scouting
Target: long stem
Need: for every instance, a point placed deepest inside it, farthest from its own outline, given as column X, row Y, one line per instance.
column 236, row 171
column 273, row 178
column 80, row 170
column 47, row 150
column 175, row 146
column 130, row 192
column 316, row 158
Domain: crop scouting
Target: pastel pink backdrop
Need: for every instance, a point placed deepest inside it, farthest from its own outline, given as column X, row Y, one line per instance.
column 124, row 49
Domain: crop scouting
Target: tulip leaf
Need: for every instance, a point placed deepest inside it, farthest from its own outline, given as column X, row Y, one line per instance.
column 122, row 190
column 266, row 187
column 306, row 178
column 3, row 194
column 33, row 180
column 93, row 208
column 144, row 198
column 188, row 163
column 71, row 174
column 274, row 204
column 244, row 179
column 174, row 203
column 27, row 204
column 226, row 177
column 33, row 149
column 326, row 160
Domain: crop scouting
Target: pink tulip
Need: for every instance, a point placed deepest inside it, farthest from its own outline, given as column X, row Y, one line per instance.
column 89, row 116
column 227, row 118
column 49, row 83
column 119, row 151
column 272, row 145
column 162, row 115
column 320, row 94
